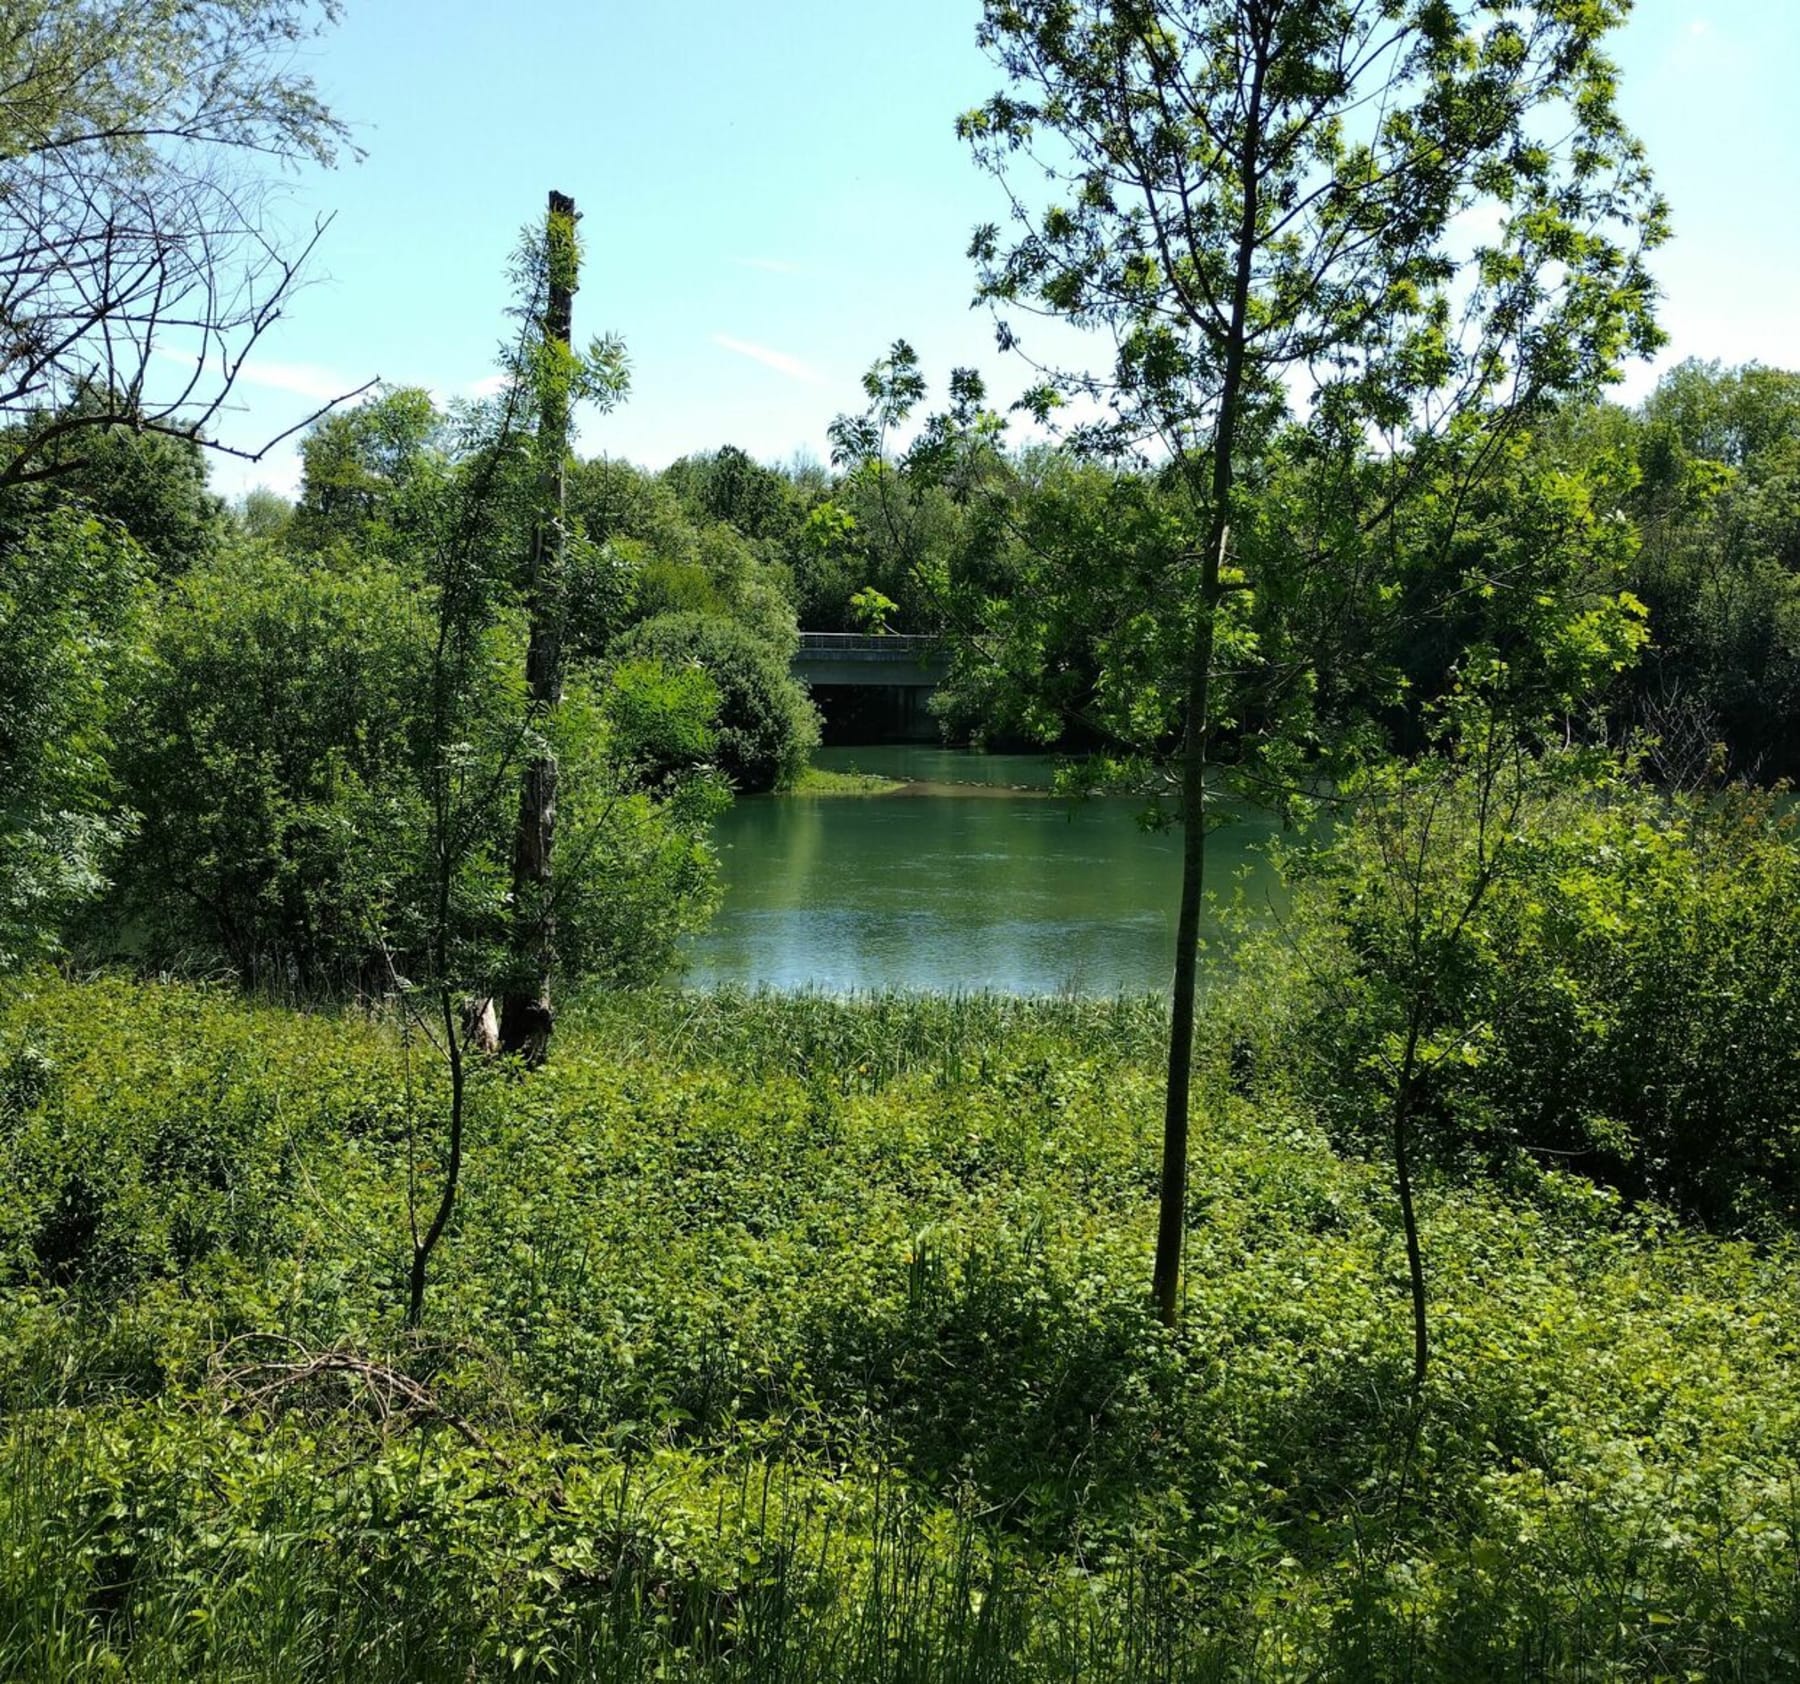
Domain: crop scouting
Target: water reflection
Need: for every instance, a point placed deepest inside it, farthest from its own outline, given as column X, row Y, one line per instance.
column 953, row 890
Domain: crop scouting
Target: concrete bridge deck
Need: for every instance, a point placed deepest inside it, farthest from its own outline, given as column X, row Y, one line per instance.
column 862, row 660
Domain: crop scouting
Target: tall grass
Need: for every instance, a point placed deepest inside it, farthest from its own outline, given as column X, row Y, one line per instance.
column 872, row 1039
column 311, row 1588
column 314, row 1589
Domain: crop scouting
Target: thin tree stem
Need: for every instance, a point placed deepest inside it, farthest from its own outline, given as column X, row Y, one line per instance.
column 423, row 1247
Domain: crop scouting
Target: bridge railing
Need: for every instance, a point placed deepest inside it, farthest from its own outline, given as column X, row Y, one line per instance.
column 894, row 646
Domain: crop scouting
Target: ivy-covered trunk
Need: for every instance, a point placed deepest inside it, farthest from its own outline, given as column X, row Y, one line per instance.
column 526, row 1017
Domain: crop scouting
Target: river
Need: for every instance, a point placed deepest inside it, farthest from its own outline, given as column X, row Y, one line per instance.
column 973, row 877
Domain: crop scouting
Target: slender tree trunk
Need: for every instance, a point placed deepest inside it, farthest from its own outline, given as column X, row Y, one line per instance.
column 1415, row 1262
column 1171, row 1216
column 1415, row 1259
column 526, row 1017
column 426, row 1243
column 1171, row 1219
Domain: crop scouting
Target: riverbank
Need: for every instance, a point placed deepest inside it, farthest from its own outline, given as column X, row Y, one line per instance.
column 789, row 1337
column 816, row 780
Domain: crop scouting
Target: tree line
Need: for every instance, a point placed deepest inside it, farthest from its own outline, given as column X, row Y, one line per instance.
column 204, row 695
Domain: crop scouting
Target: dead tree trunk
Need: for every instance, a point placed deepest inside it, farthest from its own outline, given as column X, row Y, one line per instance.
column 525, row 1013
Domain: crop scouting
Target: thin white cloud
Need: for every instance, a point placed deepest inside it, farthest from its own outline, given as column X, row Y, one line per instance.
column 488, row 386
column 230, row 476
column 304, row 380
column 780, row 361
column 768, row 265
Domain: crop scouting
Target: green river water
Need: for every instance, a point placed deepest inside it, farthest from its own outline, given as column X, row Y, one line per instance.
column 974, row 877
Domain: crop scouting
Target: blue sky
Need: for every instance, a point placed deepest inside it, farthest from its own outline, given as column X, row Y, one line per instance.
column 771, row 194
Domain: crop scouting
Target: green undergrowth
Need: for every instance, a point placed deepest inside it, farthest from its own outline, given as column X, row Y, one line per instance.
column 816, row 780
column 807, row 1339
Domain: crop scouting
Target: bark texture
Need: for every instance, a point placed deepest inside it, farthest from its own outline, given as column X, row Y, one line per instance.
column 526, row 1015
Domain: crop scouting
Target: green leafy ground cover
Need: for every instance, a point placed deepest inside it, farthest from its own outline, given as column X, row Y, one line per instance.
column 816, row 780
column 790, row 1338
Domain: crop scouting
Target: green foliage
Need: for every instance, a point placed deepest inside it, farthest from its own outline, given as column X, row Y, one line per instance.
column 668, row 550
column 1508, row 591
column 634, row 871
column 816, row 780
column 872, row 610
column 894, row 534
column 1363, row 609
column 270, row 762
column 662, row 719
column 767, row 728
column 1293, row 176
column 1621, row 1001
column 1072, row 583
column 281, row 762
column 799, row 1338
column 326, row 759
column 600, row 586
column 715, row 573
column 609, row 500
column 827, row 567
column 1645, row 1014
column 105, row 76
column 365, row 471
column 70, row 613
column 149, row 484
column 725, row 487
column 1718, row 504
column 263, row 514
column 902, row 522
column 1231, row 195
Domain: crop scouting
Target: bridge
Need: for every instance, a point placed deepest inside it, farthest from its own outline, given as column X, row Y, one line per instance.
column 871, row 688
column 860, row 660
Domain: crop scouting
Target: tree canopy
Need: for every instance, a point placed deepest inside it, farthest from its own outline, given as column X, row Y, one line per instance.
column 1252, row 195
column 138, row 266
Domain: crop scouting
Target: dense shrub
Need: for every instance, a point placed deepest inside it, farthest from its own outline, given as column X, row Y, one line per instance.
column 147, row 486
column 1624, row 1002
column 635, row 870
column 767, row 728
column 70, row 611
column 1717, row 509
column 269, row 763
column 280, row 769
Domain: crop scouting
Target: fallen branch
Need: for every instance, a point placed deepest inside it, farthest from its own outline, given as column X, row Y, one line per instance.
column 399, row 1400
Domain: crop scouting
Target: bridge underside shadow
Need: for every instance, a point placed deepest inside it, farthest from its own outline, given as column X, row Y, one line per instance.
column 858, row 715
column 872, row 688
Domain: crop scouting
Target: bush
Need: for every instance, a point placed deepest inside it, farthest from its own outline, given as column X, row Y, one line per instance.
column 1624, row 1002
column 767, row 727
column 634, row 869
column 269, row 763
column 282, row 773
column 69, row 613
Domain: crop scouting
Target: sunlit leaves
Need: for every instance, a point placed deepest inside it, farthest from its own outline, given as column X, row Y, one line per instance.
column 1335, row 148
column 70, row 600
